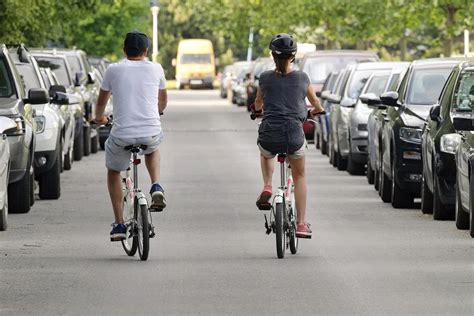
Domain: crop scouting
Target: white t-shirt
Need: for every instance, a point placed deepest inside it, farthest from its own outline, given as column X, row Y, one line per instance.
column 134, row 86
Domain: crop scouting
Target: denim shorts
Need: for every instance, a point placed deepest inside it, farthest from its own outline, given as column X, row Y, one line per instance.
column 118, row 159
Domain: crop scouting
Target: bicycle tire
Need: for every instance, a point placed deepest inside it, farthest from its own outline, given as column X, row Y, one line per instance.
column 143, row 232
column 292, row 235
column 280, row 230
column 130, row 244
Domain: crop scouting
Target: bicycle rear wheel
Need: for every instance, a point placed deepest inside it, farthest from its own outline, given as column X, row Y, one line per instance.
column 280, row 230
column 292, row 235
column 130, row 243
column 143, row 225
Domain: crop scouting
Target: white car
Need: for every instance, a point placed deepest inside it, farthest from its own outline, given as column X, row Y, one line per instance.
column 6, row 125
column 48, row 157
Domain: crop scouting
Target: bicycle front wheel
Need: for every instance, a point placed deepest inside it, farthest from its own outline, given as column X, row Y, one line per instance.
column 280, row 230
column 143, row 225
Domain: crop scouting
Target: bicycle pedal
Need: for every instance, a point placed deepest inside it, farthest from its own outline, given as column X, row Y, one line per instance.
column 264, row 206
column 268, row 229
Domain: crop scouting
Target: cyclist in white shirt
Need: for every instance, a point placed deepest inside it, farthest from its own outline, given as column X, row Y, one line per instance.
column 139, row 97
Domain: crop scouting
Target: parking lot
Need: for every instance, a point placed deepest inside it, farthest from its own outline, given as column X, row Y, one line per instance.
column 211, row 254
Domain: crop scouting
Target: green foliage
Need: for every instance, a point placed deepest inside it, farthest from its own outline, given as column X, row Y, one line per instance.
column 398, row 29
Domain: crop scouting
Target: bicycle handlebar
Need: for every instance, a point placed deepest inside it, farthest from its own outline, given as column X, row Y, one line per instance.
column 254, row 115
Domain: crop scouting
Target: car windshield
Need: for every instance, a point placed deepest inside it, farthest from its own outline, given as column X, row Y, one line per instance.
column 74, row 63
column 57, row 66
column 426, row 85
column 357, row 82
column 318, row 68
column 29, row 76
column 377, row 84
column 464, row 92
column 6, row 86
column 195, row 59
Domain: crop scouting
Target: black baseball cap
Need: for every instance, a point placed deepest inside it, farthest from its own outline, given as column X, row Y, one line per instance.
column 135, row 43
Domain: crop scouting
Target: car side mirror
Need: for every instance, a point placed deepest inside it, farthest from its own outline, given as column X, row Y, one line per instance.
column 38, row 96
column 60, row 98
column 347, row 103
column 318, row 94
column 390, row 98
column 435, row 112
column 325, row 94
column 364, row 98
column 463, row 123
column 334, row 98
column 90, row 78
column 173, row 62
column 7, row 125
column 56, row 88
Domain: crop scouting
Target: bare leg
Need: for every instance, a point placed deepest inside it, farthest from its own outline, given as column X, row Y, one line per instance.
column 152, row 162
column 299, row 178
column 268, row 166
column 114, row 183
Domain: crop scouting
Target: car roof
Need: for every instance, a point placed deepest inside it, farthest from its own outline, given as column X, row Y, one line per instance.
column 345, row 52
column 436, row 62
column 380, row 65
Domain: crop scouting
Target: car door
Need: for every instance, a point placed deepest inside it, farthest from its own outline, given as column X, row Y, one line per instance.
column 465, row 151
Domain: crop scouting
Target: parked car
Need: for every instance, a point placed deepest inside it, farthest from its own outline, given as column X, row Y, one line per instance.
column 100, row 63
column 7, row 125
column 16, row 103
column 84, row 83
column 59, row 65
column 344, row 100
column 408, row 108
column 67, row 114
column 321, row 131
column 359, row 117
column 319, row 64
column 438, row 188
column 49, row 127
column 465, row 169
column 375, row 124
column 237, row 92
column 225, row 81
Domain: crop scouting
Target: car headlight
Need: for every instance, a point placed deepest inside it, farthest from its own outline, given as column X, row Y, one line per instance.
column 410, row 135
column 40, row 121
column 449, row 143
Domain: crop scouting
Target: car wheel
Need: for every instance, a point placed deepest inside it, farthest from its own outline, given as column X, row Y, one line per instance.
column 324, row 146
column 32, row 187
column 19, row 195
column 87, row 139
column 49, row 182
column 354, row 168
column 79, row 144
column 333, row 158
column 4, row 215
column 68, row 160
column 385, row 191
column 440, row 211
column 426, row 197
column 462, row 217
column 341, row 162
column 370, row 173
column 95, row 144
column 376, row 178
column 400, row 197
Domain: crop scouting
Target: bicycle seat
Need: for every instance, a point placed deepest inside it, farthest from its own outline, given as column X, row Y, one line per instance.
column 135, row 148
column 281, row 157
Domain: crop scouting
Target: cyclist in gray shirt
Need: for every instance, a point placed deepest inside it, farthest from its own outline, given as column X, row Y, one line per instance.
column 281, row 95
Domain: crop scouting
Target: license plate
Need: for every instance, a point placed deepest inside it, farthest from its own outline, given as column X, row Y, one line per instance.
column 195, row 82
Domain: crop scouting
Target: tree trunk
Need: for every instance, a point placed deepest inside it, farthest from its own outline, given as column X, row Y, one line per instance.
column 450, row 22
column 403, row 48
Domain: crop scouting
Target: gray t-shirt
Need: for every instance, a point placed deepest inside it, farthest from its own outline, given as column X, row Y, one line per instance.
column 284, row 112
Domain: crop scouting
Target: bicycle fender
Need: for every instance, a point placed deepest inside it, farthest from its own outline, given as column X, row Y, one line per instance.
column 278, row 199
column 142, row 200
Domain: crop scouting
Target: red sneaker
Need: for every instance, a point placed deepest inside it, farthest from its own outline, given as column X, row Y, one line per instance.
column 303, row 231
column 263, row 201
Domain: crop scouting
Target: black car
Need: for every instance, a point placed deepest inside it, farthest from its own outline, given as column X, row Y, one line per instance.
column 408, row 108
column 439, row 167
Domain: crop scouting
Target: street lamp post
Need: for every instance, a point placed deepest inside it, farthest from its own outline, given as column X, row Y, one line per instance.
column 154, row 11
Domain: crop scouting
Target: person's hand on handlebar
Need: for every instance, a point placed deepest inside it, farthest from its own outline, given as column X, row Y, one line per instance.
column 100, row 120
column 254, row 113
column 314, row 112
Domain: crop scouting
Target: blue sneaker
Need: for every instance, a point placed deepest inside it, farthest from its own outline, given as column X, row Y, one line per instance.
column 158, row 202
column 119, row 232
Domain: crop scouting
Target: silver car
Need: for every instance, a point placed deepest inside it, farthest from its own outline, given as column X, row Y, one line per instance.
column 6, row 126
column 344, row 101
column 358, row 134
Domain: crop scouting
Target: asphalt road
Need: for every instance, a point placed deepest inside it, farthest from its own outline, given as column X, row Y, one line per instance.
column 211, row 255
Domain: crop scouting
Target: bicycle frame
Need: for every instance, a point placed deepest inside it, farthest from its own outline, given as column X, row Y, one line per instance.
column 136, row 190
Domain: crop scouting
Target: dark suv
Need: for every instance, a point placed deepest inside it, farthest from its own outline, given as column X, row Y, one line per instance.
column 439, row 166
column 408, row 108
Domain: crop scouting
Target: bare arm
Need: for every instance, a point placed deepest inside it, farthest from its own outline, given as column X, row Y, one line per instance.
column 162, row 100
column 102, row 100
column 259, row 100
column 314, row 100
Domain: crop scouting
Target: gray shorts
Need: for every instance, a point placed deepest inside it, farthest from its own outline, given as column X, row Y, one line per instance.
column 296, row 155
column 118, row 159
